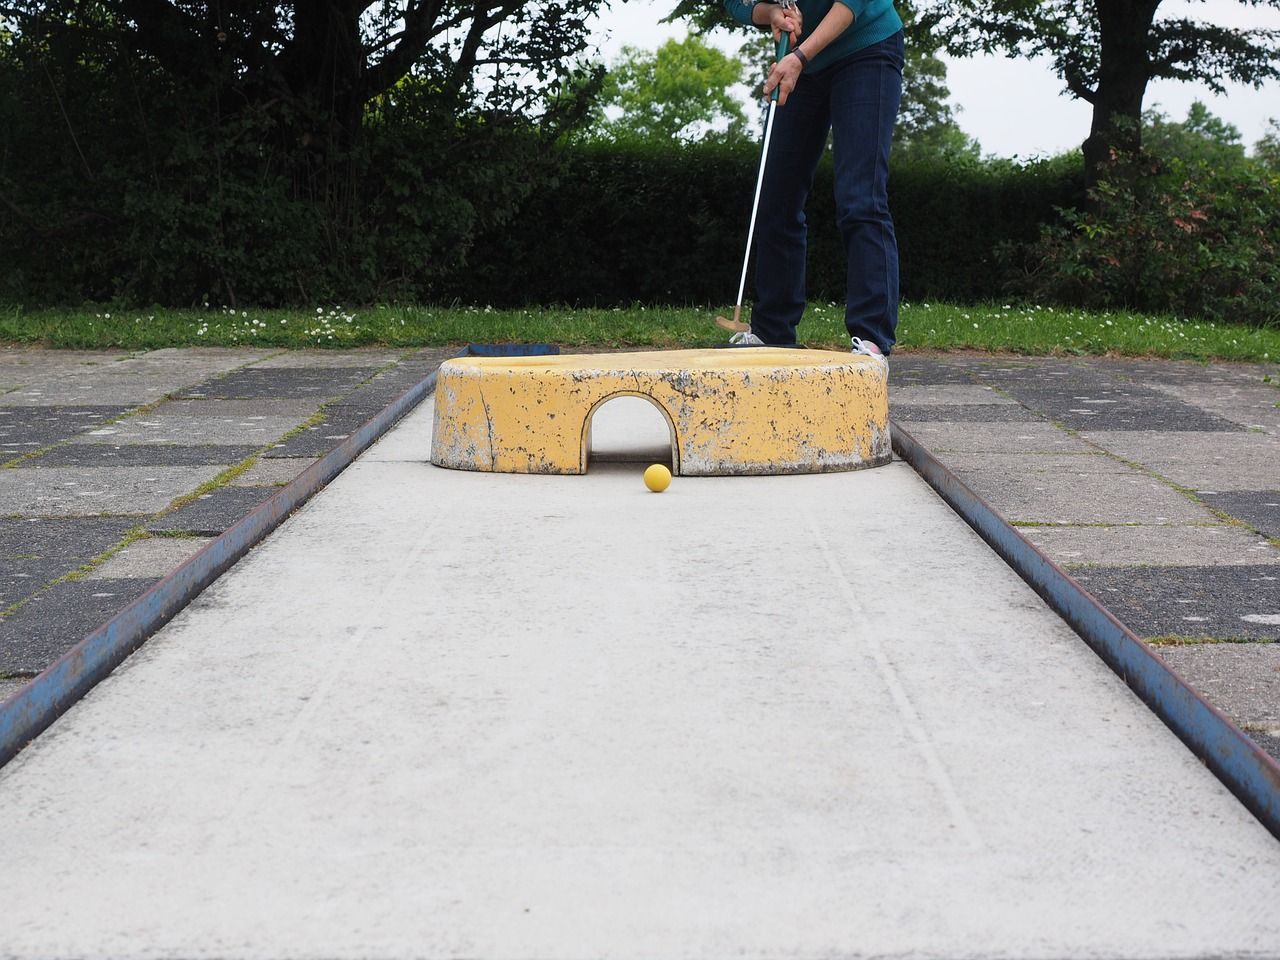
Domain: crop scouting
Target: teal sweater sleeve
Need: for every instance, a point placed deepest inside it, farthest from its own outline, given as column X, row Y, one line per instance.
column 873, row 21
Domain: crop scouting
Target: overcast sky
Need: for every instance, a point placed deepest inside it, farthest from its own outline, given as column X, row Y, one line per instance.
column 1013, row 107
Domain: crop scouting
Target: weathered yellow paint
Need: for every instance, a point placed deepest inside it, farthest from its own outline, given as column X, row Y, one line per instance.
column 755, row 410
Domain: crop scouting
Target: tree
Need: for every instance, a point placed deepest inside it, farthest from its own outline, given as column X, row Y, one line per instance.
column 1106, row 52
column 927, row 124
column 325, row 60
column 1200, row 139
column 173, row 150
column 681, row 91
column 1267, row 149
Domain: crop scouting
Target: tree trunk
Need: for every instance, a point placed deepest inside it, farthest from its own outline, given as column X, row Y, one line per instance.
column 325, row 70
column 1125, row 68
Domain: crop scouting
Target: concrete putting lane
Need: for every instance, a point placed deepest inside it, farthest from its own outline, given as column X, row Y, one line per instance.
column 443, row 714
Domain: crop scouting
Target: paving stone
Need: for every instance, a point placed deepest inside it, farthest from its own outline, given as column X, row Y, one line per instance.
column 138, row 455
column 301, row 382
column 47, row 626
column 941, row 437
column 170, row 430
column 128, row 392
column 387, row 387
column 1200, row 601
column 1106, row 406
column 963, row 413
column 1217, row 544
column 1192, row 372
column 155, row 557
column 1081, row 463
column 318, row 439
column 26, row 429
column 35, row 552
column 133, row 380
column 272, row 472
column 1201, row 461
column 73, row 540
column 945, row 393
column 92, row 491
column 433, row 356
column 1127, row 497
column 25, row 575
column 25, row 364
column 213, row 512
column 1251, row 406
column 1241, row 679
column 1034, row 372
column 318, row 359
column 1260, row 509
column 239, row 409
column 909, row 370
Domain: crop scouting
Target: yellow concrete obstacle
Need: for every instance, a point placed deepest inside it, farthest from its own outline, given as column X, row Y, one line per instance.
column 751, row 410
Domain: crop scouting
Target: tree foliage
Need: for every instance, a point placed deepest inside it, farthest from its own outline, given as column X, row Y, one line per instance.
column 1267, row 149
column 1107, row 51
column 682, row 91
column 1189, row 239
column 1202, row 138
column 328, row 57
column 927, row 125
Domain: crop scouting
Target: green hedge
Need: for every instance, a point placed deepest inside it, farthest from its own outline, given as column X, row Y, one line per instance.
column 664, row 223
column 436, row 211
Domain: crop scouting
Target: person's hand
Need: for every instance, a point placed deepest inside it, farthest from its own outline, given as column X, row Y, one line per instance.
column 784, row 75
column 786, row 20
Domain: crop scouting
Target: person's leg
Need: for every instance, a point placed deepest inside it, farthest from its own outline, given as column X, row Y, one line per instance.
column 799, row 137
column 865, row 91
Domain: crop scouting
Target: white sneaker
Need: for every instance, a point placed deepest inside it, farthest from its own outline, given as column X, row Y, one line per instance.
column 745, row 340
column 868, row 349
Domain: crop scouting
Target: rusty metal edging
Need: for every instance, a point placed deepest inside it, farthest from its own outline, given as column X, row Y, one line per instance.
column 1245, row 769
column 40, row 702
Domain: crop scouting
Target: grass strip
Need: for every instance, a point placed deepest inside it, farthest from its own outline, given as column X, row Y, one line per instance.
column 1031, row 330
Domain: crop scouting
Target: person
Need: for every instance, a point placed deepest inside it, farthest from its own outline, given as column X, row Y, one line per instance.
column 843, row 76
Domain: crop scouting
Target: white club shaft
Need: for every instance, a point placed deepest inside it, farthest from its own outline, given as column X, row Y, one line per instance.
column 755, row 205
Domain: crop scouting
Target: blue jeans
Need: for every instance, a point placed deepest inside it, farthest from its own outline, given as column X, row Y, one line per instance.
column 857, row 100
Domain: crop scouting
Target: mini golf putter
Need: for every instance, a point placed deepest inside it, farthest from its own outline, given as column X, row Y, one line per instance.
column 736, row 325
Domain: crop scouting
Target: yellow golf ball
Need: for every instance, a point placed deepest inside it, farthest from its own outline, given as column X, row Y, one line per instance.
column 657, row 478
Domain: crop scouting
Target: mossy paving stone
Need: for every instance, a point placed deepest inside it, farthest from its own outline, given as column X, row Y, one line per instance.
column 47, row 626
column 26, row 429
column 1116, row 407
column 962, row 412
column 35, row 552
column 921, row 370
column 1260, row 509
column 318, row 439
column 283, row 382
column 99, row 491
column 213, row 512
column 139, row 455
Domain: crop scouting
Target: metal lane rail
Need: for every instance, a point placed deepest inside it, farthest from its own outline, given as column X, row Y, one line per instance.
column 46, row 697
column 1246, row 770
